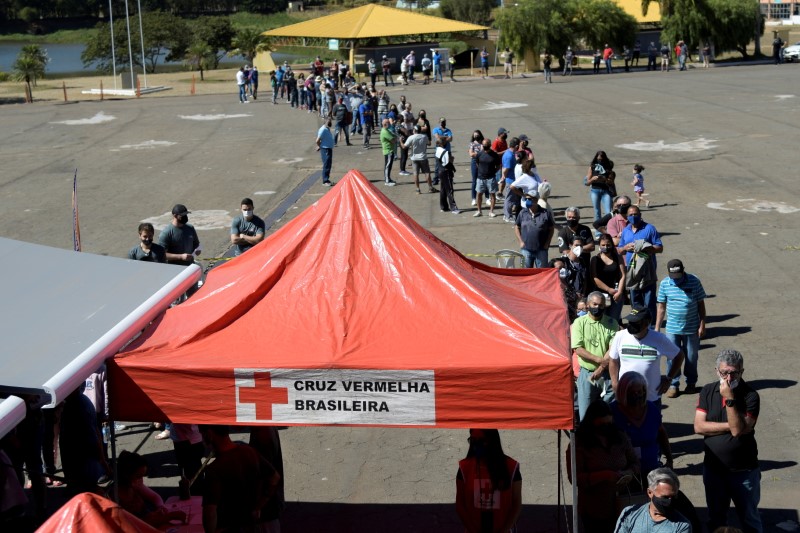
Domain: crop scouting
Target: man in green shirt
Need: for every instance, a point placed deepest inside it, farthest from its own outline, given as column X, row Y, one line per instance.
column 388, row 143
column 591, row 336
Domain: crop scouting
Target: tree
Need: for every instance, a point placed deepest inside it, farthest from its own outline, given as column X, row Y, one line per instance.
column 689, row 21
column 39, row 56
column 248, row 42
column 199, row 56
column 164, row 35
column 473, row 11
column 218, row 34
column 602, row 21
column 734, row 24
column 27, row 68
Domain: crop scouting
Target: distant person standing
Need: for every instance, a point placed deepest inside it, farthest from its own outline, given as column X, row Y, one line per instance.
column 706, row 54
column 254, row 83
column 637, row 52
column 665, row 58
column 386, row 66
column 372, row 68
column 548, row 63
column 652, row 54
column 569, row 55
column 777, row 49
column 388, row 145
column 179, row 238
column 325, row 149
column 484, row 63
column 452, row 65
column 411, row 61
column 437, row 67
column 596, row 60
column 608, row 55
column 508, row 65
column 241, row 82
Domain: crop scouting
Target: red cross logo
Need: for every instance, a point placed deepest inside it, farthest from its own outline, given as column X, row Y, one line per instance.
column 263, row 395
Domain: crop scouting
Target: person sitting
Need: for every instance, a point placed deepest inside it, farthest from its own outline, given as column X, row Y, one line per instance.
column 488, row 485
column 641, row 422
column 605, row 461
column 138, row 499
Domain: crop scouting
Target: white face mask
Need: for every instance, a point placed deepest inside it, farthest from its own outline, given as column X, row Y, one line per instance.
column 247, row 213
column 577, row 250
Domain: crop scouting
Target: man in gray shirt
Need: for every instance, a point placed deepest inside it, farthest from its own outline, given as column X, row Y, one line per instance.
column 247, row 229
column 418, row 143
column 660, row 515
column 180, row 239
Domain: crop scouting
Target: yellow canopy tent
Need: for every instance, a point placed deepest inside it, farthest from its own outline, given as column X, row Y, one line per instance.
column 371, row 21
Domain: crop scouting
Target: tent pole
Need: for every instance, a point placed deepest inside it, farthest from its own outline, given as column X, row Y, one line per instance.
column 558, row 483
column 352, row 59
column 573, row 460
column 113, row 439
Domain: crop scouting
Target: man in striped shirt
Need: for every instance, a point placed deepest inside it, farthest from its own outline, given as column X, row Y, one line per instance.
column 681, row 300
column 639, row 349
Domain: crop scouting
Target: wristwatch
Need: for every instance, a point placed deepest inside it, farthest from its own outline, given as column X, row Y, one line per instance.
column 730, row 402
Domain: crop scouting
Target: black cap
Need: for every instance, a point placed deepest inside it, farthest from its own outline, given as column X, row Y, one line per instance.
column 501, row 131
column 637, row 314
column 180, row 209
column 523, row 137
column 675, row 269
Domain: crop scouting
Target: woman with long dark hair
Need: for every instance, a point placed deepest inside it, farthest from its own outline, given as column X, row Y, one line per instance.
column 488, row 485
column 607, row 273
column 601, row 183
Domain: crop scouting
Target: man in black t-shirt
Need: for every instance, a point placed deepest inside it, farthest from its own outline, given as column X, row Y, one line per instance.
column 727, row 411
column 575, row 229
column 488, row 162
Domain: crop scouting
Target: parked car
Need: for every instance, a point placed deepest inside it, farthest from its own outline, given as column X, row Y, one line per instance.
column 791, row 53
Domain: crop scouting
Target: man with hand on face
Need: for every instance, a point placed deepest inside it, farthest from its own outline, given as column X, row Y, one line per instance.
column 660, row 513
column 638, row 348
column 592, row 334
column 727, row 411
column 247, row 229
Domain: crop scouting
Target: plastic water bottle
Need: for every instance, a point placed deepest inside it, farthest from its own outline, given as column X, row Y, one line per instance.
column 106, row 433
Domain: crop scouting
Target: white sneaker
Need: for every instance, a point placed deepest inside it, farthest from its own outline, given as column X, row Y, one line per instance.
column 478, row 214
column 488, row 202
column 492, row 215
column 456, row 211
column 474, row 202
column 506, row 219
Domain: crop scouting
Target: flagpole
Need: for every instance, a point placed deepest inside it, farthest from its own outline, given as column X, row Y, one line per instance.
column 141, row 38
column 130, row 50
column 113, row 53
column 76, row 225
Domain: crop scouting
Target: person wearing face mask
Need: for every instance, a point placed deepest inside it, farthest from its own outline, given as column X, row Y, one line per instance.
column 147, row 250
column 570, row 296
column 488, row 485
column 641, row 238
column 591, row 336
column 639, row 349
column 619, row 220
column 726, row 415
column 534, row 229
column 577, row 264
column 605, row 462
column 247, row 229
column 573, row 228
column 660, row 514
column 641, row 422
column 681, row 301
column 607, row 274
column 179, row 239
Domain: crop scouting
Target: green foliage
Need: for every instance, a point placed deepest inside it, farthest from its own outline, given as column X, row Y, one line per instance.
column 28, row 14
column 162, row 32
column 217, row 34
column 248, row 43
column 735, row 24
column 538, row 25
column 30, row 64
column 200, row 56
column 687, row 20
column 4, row 76
column 473, row 11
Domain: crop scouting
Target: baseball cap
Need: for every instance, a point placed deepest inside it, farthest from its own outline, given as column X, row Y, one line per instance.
column 675, row 269
column 523, row 137
column 501, row 131
column 637, row 314
column 532, row 193
column 180, row 209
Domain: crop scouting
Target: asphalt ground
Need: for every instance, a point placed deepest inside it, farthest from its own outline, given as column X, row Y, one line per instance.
column 720, row 147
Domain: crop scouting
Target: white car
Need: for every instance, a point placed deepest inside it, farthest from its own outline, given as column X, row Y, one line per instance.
column 791, row 53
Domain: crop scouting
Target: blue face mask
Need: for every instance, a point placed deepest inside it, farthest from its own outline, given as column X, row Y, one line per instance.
column 634, row 219
column 528, row 203
column 581, row 313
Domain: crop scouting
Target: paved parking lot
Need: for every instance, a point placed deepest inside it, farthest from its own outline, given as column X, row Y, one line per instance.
column 721, row 151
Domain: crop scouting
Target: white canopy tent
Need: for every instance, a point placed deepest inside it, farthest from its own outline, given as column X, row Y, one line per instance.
column 66, row 312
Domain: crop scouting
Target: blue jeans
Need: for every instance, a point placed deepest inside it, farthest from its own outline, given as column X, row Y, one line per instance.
column 615, row 311
column 388, row 161
column 601, row 202
column 743, row 488
column 437, row 73
column 340, row 126
column 588, row 392
column 327, row 161
column 647, row 298
column 690, row 344
column 537, row 258
column 242, row 93
column 608, row 66
column 508, row 202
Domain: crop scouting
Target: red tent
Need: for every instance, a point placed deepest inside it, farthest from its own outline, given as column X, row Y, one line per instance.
column 91, row 513
column 353, row 314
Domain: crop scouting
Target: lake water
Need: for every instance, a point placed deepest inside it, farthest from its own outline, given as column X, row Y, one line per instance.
column 67, row 58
